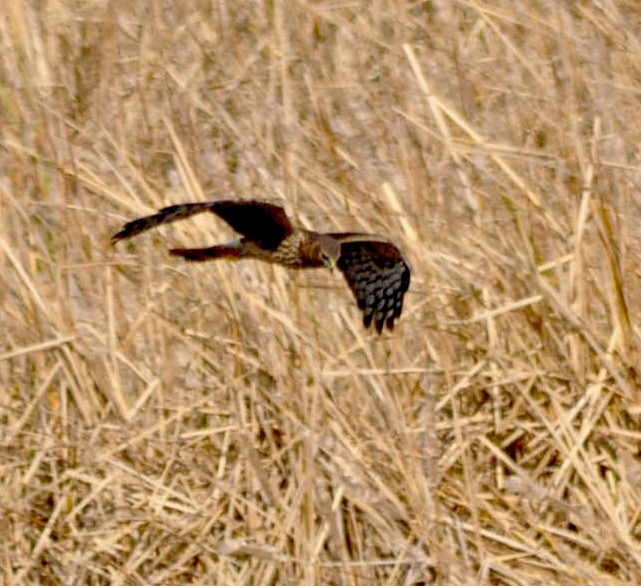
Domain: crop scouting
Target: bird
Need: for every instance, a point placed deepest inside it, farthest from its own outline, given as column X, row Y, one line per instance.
column 372, row 265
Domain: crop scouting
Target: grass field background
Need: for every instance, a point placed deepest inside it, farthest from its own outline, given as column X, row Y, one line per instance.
column 220, row 423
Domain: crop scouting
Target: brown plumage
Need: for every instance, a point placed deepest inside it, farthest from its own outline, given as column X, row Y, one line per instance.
column 373, row 267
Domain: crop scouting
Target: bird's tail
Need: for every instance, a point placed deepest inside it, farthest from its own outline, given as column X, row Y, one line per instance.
column 164, row 216
column 231, row 250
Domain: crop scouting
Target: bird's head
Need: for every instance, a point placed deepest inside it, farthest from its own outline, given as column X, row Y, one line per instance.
column 329, row 250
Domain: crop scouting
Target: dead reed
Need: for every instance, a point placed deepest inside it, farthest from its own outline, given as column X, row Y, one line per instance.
column 165, row 423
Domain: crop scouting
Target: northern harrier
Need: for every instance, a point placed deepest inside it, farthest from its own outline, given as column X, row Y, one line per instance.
column 373, row 266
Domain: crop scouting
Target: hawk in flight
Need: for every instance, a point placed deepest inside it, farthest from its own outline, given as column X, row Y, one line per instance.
column 373, row 267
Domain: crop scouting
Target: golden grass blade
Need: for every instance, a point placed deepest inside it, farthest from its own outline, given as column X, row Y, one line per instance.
column 233, row 422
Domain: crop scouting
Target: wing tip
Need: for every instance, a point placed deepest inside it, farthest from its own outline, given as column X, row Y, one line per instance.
column 122, row 234
column 380, row 321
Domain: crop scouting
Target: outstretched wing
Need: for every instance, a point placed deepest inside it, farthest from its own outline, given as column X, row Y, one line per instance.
column 264, row 223
column 377, row 275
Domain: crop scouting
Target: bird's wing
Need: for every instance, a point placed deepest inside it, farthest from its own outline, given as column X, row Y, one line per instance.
column 377, row 274
column 264, row 223
column 164, row 216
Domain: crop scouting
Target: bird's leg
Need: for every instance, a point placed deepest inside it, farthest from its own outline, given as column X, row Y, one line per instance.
column 229, row 250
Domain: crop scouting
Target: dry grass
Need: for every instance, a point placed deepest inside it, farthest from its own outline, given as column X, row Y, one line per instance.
column 166, row 423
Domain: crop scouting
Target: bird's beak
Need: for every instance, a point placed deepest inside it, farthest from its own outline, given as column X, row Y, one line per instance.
column 330, row 263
